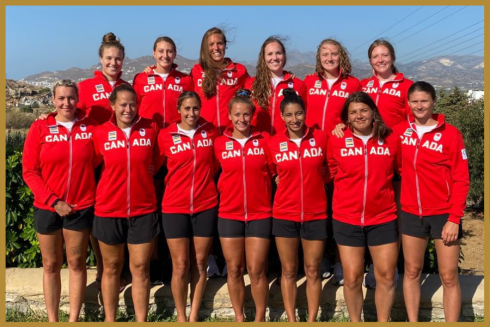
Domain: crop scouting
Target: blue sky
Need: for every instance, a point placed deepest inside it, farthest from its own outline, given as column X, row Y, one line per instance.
column 50, row 38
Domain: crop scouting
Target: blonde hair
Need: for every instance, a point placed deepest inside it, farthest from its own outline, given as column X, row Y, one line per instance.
column 65, row 83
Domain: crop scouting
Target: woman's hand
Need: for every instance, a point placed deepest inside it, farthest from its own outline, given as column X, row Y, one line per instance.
column 277, row 180
column 148, row 69
column 450, row 232
column 64, row 209
column 339, row 130
column 42, row 117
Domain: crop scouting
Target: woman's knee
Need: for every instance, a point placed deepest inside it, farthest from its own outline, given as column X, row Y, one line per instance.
column 412, row 272
column 235, row 271
column 255, row 272
column 52, row 265
column 449, row 279
column 289, row 271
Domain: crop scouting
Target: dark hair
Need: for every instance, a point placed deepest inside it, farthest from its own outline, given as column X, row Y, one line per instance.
column 242, row 96
column 261, row 87
column 380, row 130
column 207, row 63
column 188, row 95
column 65, row 83
column 108, row 41
column 164, row 39
column 422, row 86
column 344, row 61
column 121, row 88
column 386, row 44
column 291, row 97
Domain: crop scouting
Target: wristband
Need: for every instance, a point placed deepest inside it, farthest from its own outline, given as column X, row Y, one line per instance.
column 55, row 203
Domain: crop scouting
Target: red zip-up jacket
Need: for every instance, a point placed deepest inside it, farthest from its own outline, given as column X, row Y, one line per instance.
column 189, row 184
column 269, row 119
column 435, row 170
column 391, row 98
column 157, row 99
column 363, row 193
column 324, row 104
column 245, row 181
column 126, row 185
column 60, row 164
column 94, row 96
column 215, row 109
column 300, row 194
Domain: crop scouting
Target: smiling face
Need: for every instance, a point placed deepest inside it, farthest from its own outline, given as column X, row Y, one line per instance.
column 164, row 55
column 422, row 106
column 65, row 101
column 189, row 111
column 217, row 47
column 360, row 117
column 382, row 61
column 124, row 109
column 274, row 58
column 294, row 116
column 241, row 116
column 112, row 62
column 330, row 59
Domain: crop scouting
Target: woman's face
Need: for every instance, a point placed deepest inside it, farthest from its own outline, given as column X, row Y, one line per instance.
column 164, row 55
column 112, row 62
column 241, row 116
column 190, row 111
column 274, row 58
column 65, row 101
column 381, row 60
column 330, row 58
column 294, row 116
column 360, row 117
column 125, row 109
column 421, row 104
column 217, row 47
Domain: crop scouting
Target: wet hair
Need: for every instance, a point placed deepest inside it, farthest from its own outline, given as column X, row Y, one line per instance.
column 208, row 64
column 344, row 63
column 188, row 95
column 261, row 88
column 242, row 96
column 290, row 97
column 386, row 44
column 380, row 130
column 164, row 39
column 422, row 86
column 65, row 83
column 118, row 89
column 108, row 41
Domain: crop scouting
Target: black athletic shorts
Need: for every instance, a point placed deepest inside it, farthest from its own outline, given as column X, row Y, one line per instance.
column 310, row 230
column 261, row 228
column 135, row 230
column 46, row 221
column 357, row 236
column 426, row 226
column 181, row 225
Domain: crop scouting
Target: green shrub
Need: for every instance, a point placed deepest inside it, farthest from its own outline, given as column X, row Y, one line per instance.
column 14, row 119
column 26, row 109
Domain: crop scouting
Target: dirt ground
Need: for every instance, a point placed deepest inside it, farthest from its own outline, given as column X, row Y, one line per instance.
column 472, row 244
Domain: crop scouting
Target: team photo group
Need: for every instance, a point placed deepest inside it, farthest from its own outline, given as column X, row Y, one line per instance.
column 328, row 163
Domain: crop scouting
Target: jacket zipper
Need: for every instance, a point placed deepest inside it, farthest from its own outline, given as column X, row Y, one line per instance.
column 365, row 185
column 217, row 107
column 301, row 179
column 193, row 175
column 244, row 184
column 164, row 99
column 325, row 108
column 128, row 184
column 417, row 178
column 273, row 110
column 70, row 164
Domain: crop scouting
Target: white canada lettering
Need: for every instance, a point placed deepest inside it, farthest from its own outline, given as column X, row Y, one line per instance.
column 177, row 88
column 287, row 156
column 340, row 93
column 83, row 136
column 101, row 96
column 433, row 146
column 229, row 81
column 142, row 142
column 370, row 89
column 380, row 151
column 203, row 143
column 255, row 151
column 114, row 145
column 199, row 82
column 409, row 141
column 280, row 93
column 231, row 154
column 154, row 87
column 179, row 148
column 392, row 92
column 313, row 153
column 56, row 138
column 314, row 91
column 351, row 152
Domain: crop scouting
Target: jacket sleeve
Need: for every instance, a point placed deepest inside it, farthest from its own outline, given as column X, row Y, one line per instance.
column 159, row 153
column 137, row 89
column 31, row 167
column 270, row 159
column 81, row 98
column 397, row 164
column 331, row 162
column 303, row 93
column 460, row 178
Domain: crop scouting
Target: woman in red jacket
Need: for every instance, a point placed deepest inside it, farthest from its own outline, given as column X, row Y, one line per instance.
column 268, row 86
column 58, row 166
column 190, row 200
column 216, row 78
column 125, row 200
column 159, row 87
column 95, row 91
column 299, row 211
column 244, row 223
column 435, row 185
column 363, row 163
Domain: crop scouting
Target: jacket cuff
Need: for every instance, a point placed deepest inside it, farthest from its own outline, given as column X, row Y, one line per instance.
column 454, row 219
column 51, row 200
